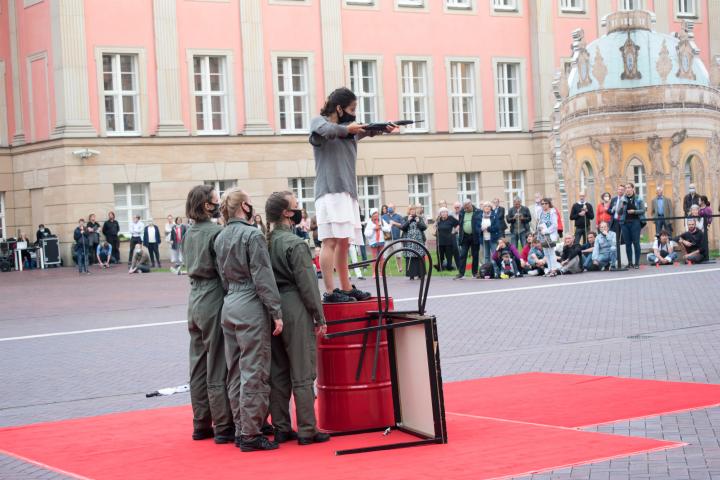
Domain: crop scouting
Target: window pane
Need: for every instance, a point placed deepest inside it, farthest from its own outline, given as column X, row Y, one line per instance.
column 217, row 121
column 126, row 63
column 216, row 104
column 215, row 83
column 107, row 63
column 109, row 104
column 110, row 122
column 198, row 83
column 129, row 122
column 107, row 81
column 214, row 65
column 127, row 81
column 128, row 104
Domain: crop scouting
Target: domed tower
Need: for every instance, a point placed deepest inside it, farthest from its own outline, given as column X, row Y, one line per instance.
column 637, row 106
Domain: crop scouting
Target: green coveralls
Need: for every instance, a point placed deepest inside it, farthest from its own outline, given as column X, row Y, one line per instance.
column 208, row 370
column 294, row 351
column 250, row 304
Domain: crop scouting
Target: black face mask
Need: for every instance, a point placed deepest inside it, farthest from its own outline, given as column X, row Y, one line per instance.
column 249, row 215
column 297, row 216
column 346, row 117
column 215, row 212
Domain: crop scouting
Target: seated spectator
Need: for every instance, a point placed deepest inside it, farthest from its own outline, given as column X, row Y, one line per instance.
column 663, row 250
column 506, row 267
column 537, row 263
column 140, row 260
column 526, row 252
column 103, row 253
column 605, row 250
column 570, row 260
column 587, row 249
column 692, row 243
column 505, row 248
column 695, row 214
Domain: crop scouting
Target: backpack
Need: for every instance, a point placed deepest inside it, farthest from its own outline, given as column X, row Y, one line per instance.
column 487, row 270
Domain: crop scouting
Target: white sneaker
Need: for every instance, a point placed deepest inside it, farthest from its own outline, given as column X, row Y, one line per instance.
column 533, row 273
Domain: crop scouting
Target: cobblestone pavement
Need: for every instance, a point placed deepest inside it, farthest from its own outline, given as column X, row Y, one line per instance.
column 653, row 323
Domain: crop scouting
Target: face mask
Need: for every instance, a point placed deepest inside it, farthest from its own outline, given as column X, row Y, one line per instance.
column 346, row 117
column 215, row 212
column 249, row 214
column 297, row 216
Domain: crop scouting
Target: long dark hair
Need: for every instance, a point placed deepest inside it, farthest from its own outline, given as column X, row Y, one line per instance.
column 275, row 205
column 195, row 203
column 341, row 97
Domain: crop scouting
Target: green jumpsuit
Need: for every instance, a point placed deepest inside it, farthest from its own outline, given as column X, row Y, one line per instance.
column 294, row 351
column 252, row 302
column 208, row 370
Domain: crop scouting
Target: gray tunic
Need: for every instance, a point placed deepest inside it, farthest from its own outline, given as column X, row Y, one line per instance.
column 335, row 158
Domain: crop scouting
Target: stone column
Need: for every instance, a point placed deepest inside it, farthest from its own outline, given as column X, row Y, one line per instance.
column 331, row 27
column 542, row 41
column 253, row 54
column 72, row 98
column 603, row 8
column 19, row 134
column 713, row 16
column 167, row 58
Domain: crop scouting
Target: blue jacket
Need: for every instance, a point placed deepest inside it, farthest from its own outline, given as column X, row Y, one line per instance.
column 496, row 226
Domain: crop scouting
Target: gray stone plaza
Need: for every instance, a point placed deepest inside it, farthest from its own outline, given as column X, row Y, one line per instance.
column 83, row 346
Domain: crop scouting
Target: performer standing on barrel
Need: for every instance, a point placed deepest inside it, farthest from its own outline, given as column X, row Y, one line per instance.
column 334, row 135
column 293, row 351
column 208, row 370
column 252, row 300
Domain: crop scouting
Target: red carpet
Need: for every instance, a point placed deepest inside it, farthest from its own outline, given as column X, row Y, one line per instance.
column 575, row 400
column 156, row 443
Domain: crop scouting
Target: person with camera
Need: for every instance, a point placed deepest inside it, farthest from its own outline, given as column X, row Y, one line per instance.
column 413, row 228
column 111, row 231
column 293, row 354
column 582, row 214
column 663, row 250
column 518, row 218
column 208, row 367
column 631, row 222
column 470, row 237
column 604, row 255
column 547, row 234
column 103, row 254
column 93, row 230
column 82, row 246
column 693, row 243
column 252, row 312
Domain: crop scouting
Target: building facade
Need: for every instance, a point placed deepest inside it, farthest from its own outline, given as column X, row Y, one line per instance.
column 124, row 105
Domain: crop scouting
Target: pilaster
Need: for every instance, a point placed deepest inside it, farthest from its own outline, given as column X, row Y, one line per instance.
column 19, row 134
column 331, row 27
column 253, row 54
column 713, row 16
column 543, row 61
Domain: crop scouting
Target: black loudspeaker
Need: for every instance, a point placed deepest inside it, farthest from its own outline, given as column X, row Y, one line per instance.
column 51, row 250
column 5, row 265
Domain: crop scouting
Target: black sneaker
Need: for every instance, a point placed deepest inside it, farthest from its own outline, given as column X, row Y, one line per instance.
column 458, row 276
column 319, row 437
column 203, row 433
column 225, row 436
column 337, row 297
column 358, row 295
column 256, row 444
column 282, row 437
column 267, row 429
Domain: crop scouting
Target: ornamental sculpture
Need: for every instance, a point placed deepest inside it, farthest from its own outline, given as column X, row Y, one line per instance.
column 664, row 64
column 686, row 55
column 630, row 60
column 599, row 69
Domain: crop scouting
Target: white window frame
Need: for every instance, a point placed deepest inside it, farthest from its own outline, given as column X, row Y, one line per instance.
column 476, row 84
column 463, row 178
column 142, row 96
column 691, row 9
column 410, row 3
column 3, row 222
column 522, row 94
column 360, row 93
column 429, row 123
column 624, row 5
column 587, row 181
column 364, row 197
column 505, row 5
column 308, row 203
column 118, row 95
column 309, row 58
column 43, row 58
column 510, row 191
column 572, row 6
column 360, row 3
column 219, row 184
column 128, row 210
column 414, row 196
column 459, row 4
column 229, row 96
column 639, row 177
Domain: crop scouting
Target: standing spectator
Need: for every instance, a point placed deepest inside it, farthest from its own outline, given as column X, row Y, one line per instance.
column 469, row 238
column 560, row 227
column 111, row 231
column 631, row 222
column 457, row 208
column 547, row 234
column 695, row 213
column 693, row 244
column 363, row 223
column 446, row 231
column 303, row 228
column 491, row 229
column 177, row 235
column 518, row 218
column 93, row 232
column 705, row 211
column 42, row 232
column 499, row 212
column 617, row 205
column 151, row 241
column 414, row 229
column 663, row 250
column 82, row 246
column 587, row 249
column 395, row 220
column 169, row 225
column 374, row 232
column 605, row 251
column 661, row 207
column 571, row 259
column 582, row 213
column 314, row 230
column 103, row 253
column 502, row 253
column 537, row 263
column 261, row 226
column 537, row 208
column 692, row 198
column 602, row 209
column 136, row 235
column 140, row 260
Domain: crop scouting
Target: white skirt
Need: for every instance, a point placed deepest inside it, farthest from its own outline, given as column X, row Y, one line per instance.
column 338, row 216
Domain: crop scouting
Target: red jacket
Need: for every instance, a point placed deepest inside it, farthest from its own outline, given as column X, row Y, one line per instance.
column 602, row 215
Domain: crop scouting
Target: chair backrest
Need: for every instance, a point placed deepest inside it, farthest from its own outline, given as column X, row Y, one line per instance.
column 22, row 245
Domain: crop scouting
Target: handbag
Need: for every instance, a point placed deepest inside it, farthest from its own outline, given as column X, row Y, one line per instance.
column 387, row 236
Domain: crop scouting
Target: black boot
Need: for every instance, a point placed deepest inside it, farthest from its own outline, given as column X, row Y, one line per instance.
column 282, row 437
column 258, row 443
column 319, row 437
column 203, row 433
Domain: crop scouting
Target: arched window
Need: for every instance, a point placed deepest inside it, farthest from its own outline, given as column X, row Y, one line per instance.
column 636, row 172
column 689, row 172
column 587, row 182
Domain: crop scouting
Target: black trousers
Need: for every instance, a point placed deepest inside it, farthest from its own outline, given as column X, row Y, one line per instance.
column 115, row 244
column 153, row 249
column 580, row 233
column 133, row 241
column 448, row 256
column 466, row 246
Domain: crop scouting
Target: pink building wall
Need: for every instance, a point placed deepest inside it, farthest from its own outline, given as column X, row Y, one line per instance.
column 6, row 58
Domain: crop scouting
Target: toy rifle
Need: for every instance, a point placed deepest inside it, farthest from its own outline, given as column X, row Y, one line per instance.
column 382, row 126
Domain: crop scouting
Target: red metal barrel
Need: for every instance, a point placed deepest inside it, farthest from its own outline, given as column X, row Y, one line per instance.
column 346, row 404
